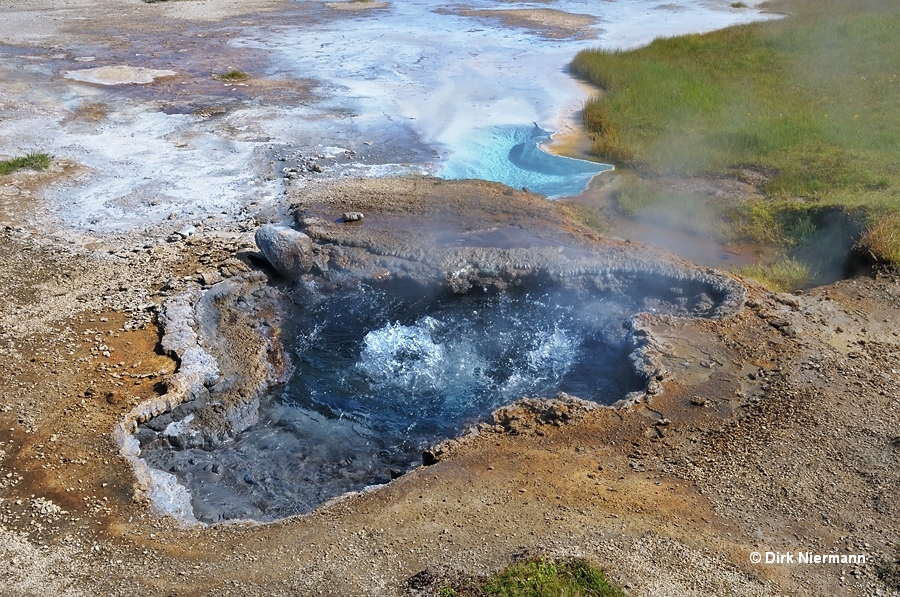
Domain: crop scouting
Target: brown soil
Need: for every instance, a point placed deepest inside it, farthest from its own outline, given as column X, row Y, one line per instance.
column 546, row 22
column 356, row 5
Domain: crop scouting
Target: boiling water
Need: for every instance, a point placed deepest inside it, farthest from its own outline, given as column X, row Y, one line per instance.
column 380, row 375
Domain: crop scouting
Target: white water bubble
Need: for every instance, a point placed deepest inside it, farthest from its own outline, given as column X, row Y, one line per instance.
column 405, row 356
column 553, row 356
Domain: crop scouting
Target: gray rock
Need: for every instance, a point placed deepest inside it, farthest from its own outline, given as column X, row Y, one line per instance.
column 289, row 251
column 353, row 216
column 703, row 303
column 209, row 278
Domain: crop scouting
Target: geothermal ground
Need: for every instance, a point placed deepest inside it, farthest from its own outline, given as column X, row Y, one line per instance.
column 772, row 429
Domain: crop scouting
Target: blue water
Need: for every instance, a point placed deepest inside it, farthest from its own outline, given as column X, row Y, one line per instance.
column 382, row 374
column 512, row 155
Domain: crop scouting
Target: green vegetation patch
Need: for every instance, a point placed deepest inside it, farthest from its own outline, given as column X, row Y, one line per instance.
column 881, row 238
column 537, row 577
column 33, row 161
column 782, row 275
column 586, row 216
column 810, row 99
column 233, row 75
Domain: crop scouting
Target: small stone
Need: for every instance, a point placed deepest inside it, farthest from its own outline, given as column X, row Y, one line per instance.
column 210, row 277
column 353, row 216
column 698, row 401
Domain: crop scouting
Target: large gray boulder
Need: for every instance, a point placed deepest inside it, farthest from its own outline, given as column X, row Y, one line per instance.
column 289, row 251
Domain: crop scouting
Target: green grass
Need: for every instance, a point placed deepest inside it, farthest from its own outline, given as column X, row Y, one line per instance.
column 810, row 99
column 34, row 161
column 587, row 216
column 233, row 76
column 540, row 577
column 782, row 275
column 881, row 238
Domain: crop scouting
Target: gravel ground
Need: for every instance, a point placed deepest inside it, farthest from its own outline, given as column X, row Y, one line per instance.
column 776, row 431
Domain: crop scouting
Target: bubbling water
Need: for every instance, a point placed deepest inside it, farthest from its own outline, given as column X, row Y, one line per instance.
column 380, row 374
column 405, row 358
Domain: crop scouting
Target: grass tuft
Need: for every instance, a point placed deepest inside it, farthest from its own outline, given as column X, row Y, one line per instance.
column 782, row 275
column 539, row 577
column 889, row 571
column 587, row 216
column 535, row 577
column 33, row 161
column 881, row 239
column 233, row 75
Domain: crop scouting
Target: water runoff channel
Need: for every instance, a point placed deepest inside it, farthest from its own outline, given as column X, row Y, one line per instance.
column 380, row 373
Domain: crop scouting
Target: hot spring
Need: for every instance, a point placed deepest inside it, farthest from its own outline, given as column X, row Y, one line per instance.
column 512, row 155
column 383, row 372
